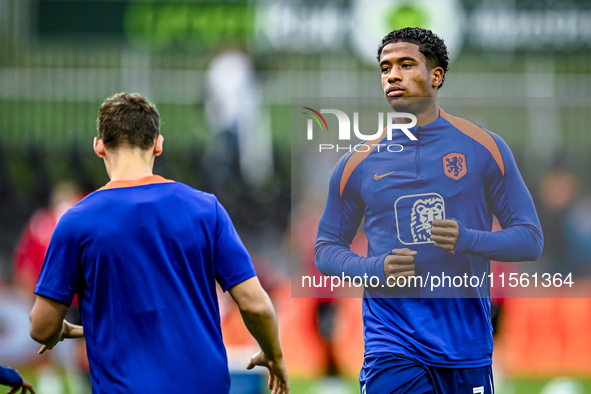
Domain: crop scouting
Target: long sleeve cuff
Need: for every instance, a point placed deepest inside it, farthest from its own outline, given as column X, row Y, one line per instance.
column 464, row 239
column 336, row 260
column 515, row 243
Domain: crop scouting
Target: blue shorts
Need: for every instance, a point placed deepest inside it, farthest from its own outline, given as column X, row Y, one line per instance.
column 385, row 373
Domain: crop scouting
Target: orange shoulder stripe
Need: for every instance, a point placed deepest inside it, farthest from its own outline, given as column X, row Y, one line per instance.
column 478, row 134
column 147, row 180
column 356, row 158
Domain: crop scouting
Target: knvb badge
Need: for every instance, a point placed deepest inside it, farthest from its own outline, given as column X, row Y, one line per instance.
column 454, row 165
column 344, row 132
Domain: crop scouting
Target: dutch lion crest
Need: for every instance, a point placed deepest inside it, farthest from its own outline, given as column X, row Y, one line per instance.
column 454, row 165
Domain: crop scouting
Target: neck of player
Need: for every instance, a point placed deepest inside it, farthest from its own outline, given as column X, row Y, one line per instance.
column 129, row 164
column 429, row 115
column 425, row 109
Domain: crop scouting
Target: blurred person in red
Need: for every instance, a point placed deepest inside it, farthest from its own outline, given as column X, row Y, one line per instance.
column 326, row 306
column 28, row 261
column 33, row 243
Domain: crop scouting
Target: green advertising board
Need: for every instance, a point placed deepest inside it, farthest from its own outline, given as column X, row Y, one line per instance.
column 154, row 25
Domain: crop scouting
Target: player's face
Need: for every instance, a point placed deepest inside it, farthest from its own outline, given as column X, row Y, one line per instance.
column 405, row 73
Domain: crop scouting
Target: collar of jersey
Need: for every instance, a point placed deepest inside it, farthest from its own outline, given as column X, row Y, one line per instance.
column 433, row 124
column 147, row 180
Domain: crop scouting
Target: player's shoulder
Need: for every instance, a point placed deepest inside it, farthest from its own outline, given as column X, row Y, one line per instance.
column 351, row 163
column 179, row 193
column 71, row 221
column 472, row 130
column 358, row 153
column 185, row 191
column 168, row 197
column 468, row 128
column 348, row 165
column 488, row 144
column 165, row 194
column 341, row 162
column 169, row 188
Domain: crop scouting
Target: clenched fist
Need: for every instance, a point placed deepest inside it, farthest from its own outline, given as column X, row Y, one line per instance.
column 400, row 263
column 445, row 234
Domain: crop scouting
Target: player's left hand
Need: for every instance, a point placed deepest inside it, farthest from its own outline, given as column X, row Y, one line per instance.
column 445, row 234
column 278, row 380
column 69, row 331
column 25, row 388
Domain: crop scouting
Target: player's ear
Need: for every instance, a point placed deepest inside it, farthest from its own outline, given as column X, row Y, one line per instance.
column 158, row 145
column 437, row 77
column 99, row 147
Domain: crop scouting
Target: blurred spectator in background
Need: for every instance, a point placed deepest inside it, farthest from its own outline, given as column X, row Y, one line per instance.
column 33, row 243
column 327, row 309
column 241, row 145
column 566, row 218
column 28, row 261
column 577, row 237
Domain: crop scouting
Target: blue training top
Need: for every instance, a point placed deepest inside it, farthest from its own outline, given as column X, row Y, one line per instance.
column 144, row 257
column 456, row 170
column 10, row 377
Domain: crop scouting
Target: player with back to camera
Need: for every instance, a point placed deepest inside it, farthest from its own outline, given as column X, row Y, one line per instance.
column 144, row 253
column 428, row 209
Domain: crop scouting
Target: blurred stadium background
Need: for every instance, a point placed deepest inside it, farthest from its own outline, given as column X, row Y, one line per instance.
column 222, row 74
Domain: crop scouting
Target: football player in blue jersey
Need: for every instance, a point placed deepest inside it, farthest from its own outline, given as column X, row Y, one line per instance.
column 428, row 212
column 144, row 254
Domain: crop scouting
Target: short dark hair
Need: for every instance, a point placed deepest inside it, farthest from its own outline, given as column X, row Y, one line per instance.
column 128, row 119
column 430, row 45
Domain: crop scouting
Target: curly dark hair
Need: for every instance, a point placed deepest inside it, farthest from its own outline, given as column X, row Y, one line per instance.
column 430, row 45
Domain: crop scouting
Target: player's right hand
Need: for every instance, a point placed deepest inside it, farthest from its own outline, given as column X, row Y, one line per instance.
column 400, row 263
column 69, row 331
column 278, row 381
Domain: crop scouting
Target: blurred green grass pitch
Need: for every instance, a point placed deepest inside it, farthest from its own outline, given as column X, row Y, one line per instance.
column 308, row 386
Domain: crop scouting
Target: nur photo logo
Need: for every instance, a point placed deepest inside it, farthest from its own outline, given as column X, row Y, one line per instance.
column 344, row 129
